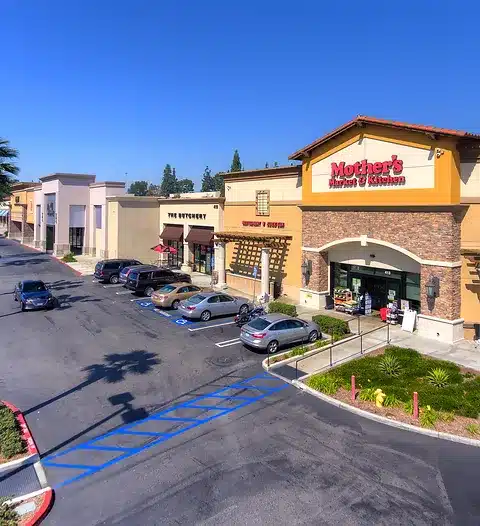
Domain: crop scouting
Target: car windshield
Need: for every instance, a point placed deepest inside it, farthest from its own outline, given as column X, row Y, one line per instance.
column 195, row 300
column 259, row 324
column 167, row 288
column 34, row 286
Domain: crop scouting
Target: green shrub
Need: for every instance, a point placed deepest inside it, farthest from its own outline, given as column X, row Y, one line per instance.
column 324, row 383
column 333, row 326
column 8, row 516
column 69, row 258
column 438, row 377
column 468, row 375
column 368, row 394
column 408, row 407
column 282, row 308
column 11, row 443
column 474, row 429
column 7, row 419
column 446, row 416
column 392, row 401
column 428, row 417
column 390, row 365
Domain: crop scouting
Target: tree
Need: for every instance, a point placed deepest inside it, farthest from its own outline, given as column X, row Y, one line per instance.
column 184, row 186
column 8, row 170
column 219, row 183
column 138, row 188
column 154, row 190
column 208, row 184
column 169, row 181
column 236, row 164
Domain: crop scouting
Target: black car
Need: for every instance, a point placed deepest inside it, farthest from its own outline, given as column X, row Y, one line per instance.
column 109, row 269
column 146, row 281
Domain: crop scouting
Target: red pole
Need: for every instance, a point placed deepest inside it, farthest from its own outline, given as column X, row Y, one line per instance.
column 353, row 388
column 415, row 405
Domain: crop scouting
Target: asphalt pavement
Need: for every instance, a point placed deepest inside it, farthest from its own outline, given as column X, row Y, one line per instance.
column 142, row 420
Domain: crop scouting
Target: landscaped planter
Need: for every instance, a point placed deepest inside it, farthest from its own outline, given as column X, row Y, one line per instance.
column 449, row 407
column 16, row 443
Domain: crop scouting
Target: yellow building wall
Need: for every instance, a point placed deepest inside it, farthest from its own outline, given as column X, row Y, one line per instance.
column 285, row 262
column 18, row 200
column 133, row 229
column 29, row 199
column 447, row 172
column 470, row 308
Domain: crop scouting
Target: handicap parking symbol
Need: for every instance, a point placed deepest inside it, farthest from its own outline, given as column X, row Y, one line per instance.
column 181, row 321
column 144, row 304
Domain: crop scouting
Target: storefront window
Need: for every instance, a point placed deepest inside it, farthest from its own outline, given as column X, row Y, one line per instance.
column 203, row 258
column 341, row 275
column 412, row 288
column 175, row 260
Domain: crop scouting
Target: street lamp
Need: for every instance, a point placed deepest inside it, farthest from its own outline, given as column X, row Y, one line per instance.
column 431, row 287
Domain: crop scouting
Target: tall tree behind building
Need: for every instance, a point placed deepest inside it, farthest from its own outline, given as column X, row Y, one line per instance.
column 138, row 188
column 8, row 168
column 185, row 186
column 219, row 183
column 208, row 184
column 236, row 165
column 169, row 183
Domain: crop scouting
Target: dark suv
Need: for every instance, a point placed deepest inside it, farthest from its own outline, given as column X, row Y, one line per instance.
column 146, row 281
column 109, row 269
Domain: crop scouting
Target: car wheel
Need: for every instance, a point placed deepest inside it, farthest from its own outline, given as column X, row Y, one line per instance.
column 175, row 304
column 313, row 336
column 113, row 279
column 243, row 309
column 206, row 315
column 272, row 347
column 22, row 306
column 149, row 291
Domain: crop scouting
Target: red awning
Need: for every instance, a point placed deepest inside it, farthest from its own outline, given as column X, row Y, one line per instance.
column 200, row 236
column 172, row 233
column 164, row 249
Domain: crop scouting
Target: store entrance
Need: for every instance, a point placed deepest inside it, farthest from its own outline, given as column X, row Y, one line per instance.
column 381, row 290
column 76, row 240
column 50, row 238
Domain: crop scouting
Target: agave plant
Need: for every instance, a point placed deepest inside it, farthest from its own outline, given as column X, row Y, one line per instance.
column 438, row 377
column 389, row 365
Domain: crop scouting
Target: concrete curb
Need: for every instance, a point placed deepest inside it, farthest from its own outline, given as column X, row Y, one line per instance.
column 373, row 416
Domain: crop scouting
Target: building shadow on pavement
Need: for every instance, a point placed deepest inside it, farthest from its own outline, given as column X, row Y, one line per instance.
column 22, row 262
column 114, row 368
column 63, row 284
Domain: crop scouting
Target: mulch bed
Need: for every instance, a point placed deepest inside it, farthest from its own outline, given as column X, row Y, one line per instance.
column 456, row 427
column 25, row 519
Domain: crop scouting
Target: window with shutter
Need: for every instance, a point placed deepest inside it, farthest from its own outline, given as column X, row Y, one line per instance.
column 262, row 202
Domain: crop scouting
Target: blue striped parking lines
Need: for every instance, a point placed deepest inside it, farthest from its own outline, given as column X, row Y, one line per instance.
column 61, row 460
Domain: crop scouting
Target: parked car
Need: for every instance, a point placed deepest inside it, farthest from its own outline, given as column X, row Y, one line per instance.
column 109, row 269
column 147, row 281
column 123, row 277
column 171, row 295
column 273, row 331
column 33, row 295
column 207, row 304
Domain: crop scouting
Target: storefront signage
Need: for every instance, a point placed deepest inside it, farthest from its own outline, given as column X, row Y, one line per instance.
column 363, row 173
column 267, row 224
column 182, row 215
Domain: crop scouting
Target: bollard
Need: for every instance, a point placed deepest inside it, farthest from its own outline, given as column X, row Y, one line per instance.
column 353, row 388
column 415, row 405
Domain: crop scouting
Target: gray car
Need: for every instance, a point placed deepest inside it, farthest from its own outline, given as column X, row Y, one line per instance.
column 207, row 304
column 273, row 331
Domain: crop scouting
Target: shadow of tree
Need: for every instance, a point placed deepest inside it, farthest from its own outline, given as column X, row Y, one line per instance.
column 114, row 368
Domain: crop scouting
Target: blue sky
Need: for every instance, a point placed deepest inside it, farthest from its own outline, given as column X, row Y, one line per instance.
column 115, row 86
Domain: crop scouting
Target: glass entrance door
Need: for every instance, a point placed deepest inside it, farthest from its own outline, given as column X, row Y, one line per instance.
column 50, row 237
column 76, row 240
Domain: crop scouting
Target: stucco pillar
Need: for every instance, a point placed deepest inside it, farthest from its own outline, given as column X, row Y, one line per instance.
column 186, row 252
column 265, row 263
column 220, row 264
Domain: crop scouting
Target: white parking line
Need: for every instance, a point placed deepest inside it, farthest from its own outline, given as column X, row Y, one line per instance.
column 163, row 313
column 123, row 292
column 113, row 285
column 211, row 326
column 140, row 299
column 227, row 343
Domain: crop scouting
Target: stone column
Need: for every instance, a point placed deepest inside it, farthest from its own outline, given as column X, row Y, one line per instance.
column 186, row 252
column 265, row 264
column 316, row 286
column 220, row 264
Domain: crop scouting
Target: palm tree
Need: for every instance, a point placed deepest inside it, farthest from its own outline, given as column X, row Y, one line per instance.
column 8, row 170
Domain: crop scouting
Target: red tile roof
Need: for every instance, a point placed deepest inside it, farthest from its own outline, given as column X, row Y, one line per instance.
column 363, row 119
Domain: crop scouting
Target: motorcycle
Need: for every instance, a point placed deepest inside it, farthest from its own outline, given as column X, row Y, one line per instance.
column 243, row 319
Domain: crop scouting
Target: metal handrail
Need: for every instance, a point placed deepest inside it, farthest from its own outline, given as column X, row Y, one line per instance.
column 353, row 338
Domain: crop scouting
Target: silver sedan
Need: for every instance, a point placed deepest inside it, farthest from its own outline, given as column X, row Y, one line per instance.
column 207, row 304
column 272, row 331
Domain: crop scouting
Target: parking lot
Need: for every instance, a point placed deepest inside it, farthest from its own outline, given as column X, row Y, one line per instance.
column 142, row 419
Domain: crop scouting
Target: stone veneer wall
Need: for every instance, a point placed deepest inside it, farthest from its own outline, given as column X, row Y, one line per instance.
column 431, row 235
